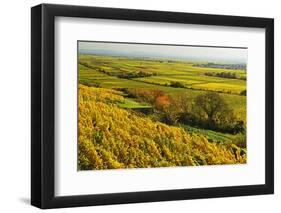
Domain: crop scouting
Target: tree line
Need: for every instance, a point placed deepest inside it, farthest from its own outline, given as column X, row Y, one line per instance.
column 223, row 66
column 125, row 75
column 231, row 75
column 208, row 110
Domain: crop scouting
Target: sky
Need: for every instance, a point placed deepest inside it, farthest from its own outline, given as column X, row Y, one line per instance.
column 199, row 53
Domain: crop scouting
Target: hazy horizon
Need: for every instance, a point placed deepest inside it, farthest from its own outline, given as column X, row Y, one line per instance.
column 198, row 53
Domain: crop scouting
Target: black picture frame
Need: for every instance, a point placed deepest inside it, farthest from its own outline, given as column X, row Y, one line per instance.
column 43, row 102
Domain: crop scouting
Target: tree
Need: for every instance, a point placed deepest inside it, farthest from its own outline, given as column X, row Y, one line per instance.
column 162, row 102
column 214, row 110
column 183, row 105
column 168, row 109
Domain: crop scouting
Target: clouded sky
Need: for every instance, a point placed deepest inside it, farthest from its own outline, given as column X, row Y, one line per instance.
column 212, row 54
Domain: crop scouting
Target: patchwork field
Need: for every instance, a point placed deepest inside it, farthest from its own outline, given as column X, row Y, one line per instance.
column 193, row 78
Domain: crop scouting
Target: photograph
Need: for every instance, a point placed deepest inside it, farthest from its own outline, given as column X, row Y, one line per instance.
column 160, row 105
column 141, row 105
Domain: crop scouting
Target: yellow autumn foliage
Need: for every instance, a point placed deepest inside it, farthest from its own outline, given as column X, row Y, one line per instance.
column 111, row 137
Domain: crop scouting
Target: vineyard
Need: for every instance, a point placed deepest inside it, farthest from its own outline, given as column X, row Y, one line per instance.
column 112, row 137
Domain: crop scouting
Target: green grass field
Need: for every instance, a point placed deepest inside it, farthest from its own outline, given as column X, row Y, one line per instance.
column 133, row 104
column 209, row 134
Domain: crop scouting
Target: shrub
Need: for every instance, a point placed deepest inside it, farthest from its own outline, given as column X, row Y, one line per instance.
column 146, row 95
column 176, row 84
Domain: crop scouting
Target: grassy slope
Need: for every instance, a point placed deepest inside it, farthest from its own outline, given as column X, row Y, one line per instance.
column 210, row 134
column 130, row 103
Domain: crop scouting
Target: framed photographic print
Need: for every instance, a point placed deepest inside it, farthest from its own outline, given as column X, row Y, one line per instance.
column 139, row 106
